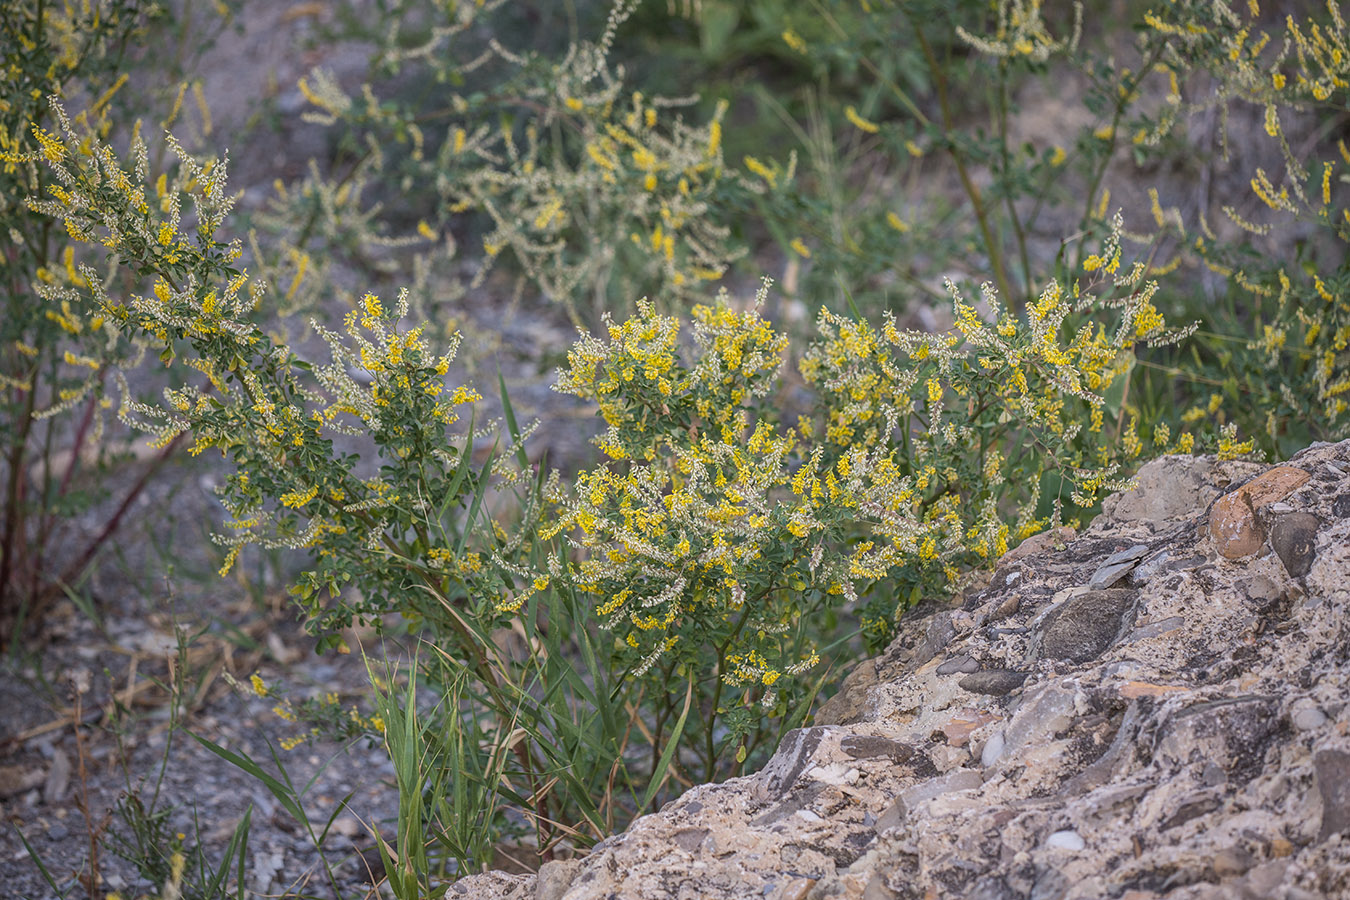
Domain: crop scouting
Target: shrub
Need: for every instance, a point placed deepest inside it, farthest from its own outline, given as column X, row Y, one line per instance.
column 670, row 605
column 55, row 364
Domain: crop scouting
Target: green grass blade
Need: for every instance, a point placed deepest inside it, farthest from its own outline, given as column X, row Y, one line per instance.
column 37, row 860
column 512, row 427
column 673, row 744
column 283, row 792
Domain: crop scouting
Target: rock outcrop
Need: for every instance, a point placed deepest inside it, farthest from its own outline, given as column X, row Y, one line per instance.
column 1158, row 707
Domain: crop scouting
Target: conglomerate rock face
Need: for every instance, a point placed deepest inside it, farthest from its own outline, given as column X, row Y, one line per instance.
column 1158, row 707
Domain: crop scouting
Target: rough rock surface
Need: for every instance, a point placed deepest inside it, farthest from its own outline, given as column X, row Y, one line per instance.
column 1182, row 731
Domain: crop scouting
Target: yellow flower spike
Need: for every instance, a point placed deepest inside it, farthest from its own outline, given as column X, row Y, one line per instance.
column 859, row 122
column 800, row 248
column 763, row 171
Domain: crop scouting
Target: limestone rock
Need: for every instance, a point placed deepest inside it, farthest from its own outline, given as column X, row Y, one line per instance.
column 1183, row 738
column 554, row 878
column 1166, row 488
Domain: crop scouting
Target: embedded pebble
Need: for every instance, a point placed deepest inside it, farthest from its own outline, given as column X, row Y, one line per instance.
column 1293, row 537
column 1066, row 840
column 1306, row 716
column 993, row 681
column 993, row 749
column 958, row 664
column 347, row 826
column 1082, row 627
column 1233, row 524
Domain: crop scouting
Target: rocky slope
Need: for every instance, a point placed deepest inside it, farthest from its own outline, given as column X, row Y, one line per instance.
column 1157, row 707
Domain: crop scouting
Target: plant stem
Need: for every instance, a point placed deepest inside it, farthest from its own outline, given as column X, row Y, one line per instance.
column 711, row 746
column 13, row 489
column 976, row 202
column 1018, row 231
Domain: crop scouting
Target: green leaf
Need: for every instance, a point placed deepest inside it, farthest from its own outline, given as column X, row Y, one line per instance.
column 718, row 24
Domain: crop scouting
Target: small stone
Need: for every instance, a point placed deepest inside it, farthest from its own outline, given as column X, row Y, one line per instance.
column 1066, row 840
column 1108, row 574
column 1083, row 627
column 1116, row 566
column 347, row 826
column 1231, row 862
column 1306, row 716
column 1281, row 848
column 867, row 746
column 965, row 722
column 1233, row 524
column 1293, row 537
column 996, row 682
column 1340, row 507
column 57, row 832
column 1129, row 554
column 554, row 878
column 993, row 749
column 956, row 664
column 797, row 889
column 1332, row 768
